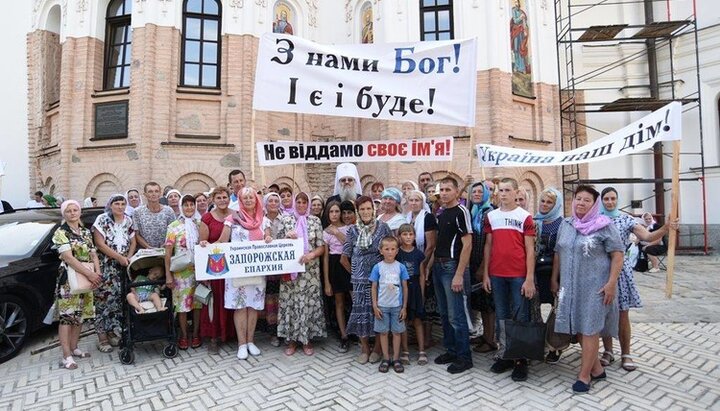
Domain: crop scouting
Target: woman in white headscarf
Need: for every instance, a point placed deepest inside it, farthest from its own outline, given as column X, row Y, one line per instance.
column 182, row 236
column 115, row 239
column 406, row 187
column 134, row 200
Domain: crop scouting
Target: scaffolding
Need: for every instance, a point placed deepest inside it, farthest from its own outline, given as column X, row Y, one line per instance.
column 635, row 42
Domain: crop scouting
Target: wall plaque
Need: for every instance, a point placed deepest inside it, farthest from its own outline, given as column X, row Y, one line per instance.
column 111, row 120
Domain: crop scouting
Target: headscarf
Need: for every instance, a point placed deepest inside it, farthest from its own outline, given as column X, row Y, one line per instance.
column 346, row 170
column 88, row 202
column 604, row 211
column 393, row 193
column 301, row 227
column 419, row 223
column 477, row 210
column 552, row 215
column 52, row 202
column 652, row 224
column 592, row 221
column 365, row 231
column 66, row 203
column 129, row 210
column 266, row 198
column 174, row 191
column 192, row 234
column 317, row 197
column 250, row 222
column 113, row 198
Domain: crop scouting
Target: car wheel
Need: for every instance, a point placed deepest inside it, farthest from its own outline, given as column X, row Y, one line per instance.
column 13, row 326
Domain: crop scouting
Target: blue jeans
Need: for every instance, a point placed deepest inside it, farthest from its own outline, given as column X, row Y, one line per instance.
column 508, row 299
column 453, row 310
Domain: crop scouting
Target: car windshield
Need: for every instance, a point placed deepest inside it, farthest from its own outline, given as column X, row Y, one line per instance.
column 19, row 240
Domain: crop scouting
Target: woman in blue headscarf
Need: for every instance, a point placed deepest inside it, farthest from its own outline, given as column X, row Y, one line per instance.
column 391, row 198
column 547, row 223
column 479, row 196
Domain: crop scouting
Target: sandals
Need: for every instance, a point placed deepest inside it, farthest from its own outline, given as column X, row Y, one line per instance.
column 422, row 358
column 290, row 350
column 607, row 358
column 308, row 349
column 104, row 347
column 627, row 362
column 485, row 346
column 196, row 342
column 405, row 358
column 384, row 366
column 398, row 367
column 68, row 363
column 183, row 343
column 80, row 353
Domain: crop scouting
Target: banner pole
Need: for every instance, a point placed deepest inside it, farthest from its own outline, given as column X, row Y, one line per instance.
column 672, row 234
column 252, row 146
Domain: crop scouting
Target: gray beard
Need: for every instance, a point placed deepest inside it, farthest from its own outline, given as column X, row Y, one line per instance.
column 347, row 194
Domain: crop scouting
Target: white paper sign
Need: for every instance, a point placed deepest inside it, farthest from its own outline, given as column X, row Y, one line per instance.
column 427, row 82
column 294, row 152
column 248, row 259
column 664, row 124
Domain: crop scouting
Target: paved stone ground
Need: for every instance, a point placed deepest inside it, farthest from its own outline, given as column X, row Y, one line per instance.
column 677, row 342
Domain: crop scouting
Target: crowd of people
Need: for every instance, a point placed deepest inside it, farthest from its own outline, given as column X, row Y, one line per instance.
column 374, row 265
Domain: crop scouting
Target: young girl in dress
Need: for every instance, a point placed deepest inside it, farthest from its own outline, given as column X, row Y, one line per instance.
column 337, row 278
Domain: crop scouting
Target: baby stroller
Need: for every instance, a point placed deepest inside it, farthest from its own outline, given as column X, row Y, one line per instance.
column 151, row 325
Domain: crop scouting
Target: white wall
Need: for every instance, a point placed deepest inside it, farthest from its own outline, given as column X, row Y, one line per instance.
column 14, row 23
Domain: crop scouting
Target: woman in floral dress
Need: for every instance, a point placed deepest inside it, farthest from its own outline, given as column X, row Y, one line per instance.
column 301, row 316
column 115, row 239
column 182, row 236
column 75, row 245
column 245, row 296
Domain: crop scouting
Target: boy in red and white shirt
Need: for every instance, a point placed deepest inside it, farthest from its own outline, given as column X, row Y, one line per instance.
column 509, row 265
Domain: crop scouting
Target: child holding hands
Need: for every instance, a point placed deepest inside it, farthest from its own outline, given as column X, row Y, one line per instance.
column 389, row 291
column 412, row 259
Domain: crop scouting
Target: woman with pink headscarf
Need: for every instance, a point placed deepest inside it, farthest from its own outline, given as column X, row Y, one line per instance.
column 301, row 316
column 246, row 296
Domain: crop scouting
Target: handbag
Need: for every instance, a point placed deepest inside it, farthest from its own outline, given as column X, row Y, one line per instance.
column 203, row 294
column 180, row 261
column 555, row 341
column 79, row 284
column 522, row 339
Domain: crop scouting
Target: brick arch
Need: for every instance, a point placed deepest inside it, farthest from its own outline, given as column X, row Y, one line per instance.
column 102, row 186
column 287, row 182
column 194, row 182
column 533, row 183
column 366, row 181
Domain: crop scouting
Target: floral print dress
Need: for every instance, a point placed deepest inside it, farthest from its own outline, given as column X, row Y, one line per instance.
column 108, row 296
column 628, row 294
column 184, row 288
column 301, row 316
column 72, row 309
column 248, row 292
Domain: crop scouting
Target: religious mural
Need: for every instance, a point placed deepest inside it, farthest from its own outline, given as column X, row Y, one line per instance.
column 284, row 18
column 366, row 24
column 520, row 47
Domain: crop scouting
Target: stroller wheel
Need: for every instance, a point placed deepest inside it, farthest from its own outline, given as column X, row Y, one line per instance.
column 170, row 351
column 127, row 357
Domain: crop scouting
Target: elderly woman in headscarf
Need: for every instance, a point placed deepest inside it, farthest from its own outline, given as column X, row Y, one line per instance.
column 90, row 202
column 317, row 206
column 245, row 296
column 547, row 223
column 361, row 252
column 390, row 209
column 173, row 199
column 75, row 246
column 587, row 263
column 406, row 187
column 347, row 183
column 479, row 198
column 134, row 200
column 182, row 236
column 301, row 316
column 272, row 223
column 115, row 239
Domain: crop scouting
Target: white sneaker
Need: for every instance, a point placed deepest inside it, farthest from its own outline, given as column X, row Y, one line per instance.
column 242, row 352
column 254, row 350
column 654, row 270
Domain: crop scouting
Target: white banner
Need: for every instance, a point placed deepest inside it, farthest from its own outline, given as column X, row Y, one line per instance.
column 295, row 152
column 664, row 124
column 426, row 82
column 248, row 259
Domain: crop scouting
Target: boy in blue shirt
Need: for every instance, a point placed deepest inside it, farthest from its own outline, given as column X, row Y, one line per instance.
column 389, row 291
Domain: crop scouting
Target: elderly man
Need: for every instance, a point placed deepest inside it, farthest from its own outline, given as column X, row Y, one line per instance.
column 347, row 183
